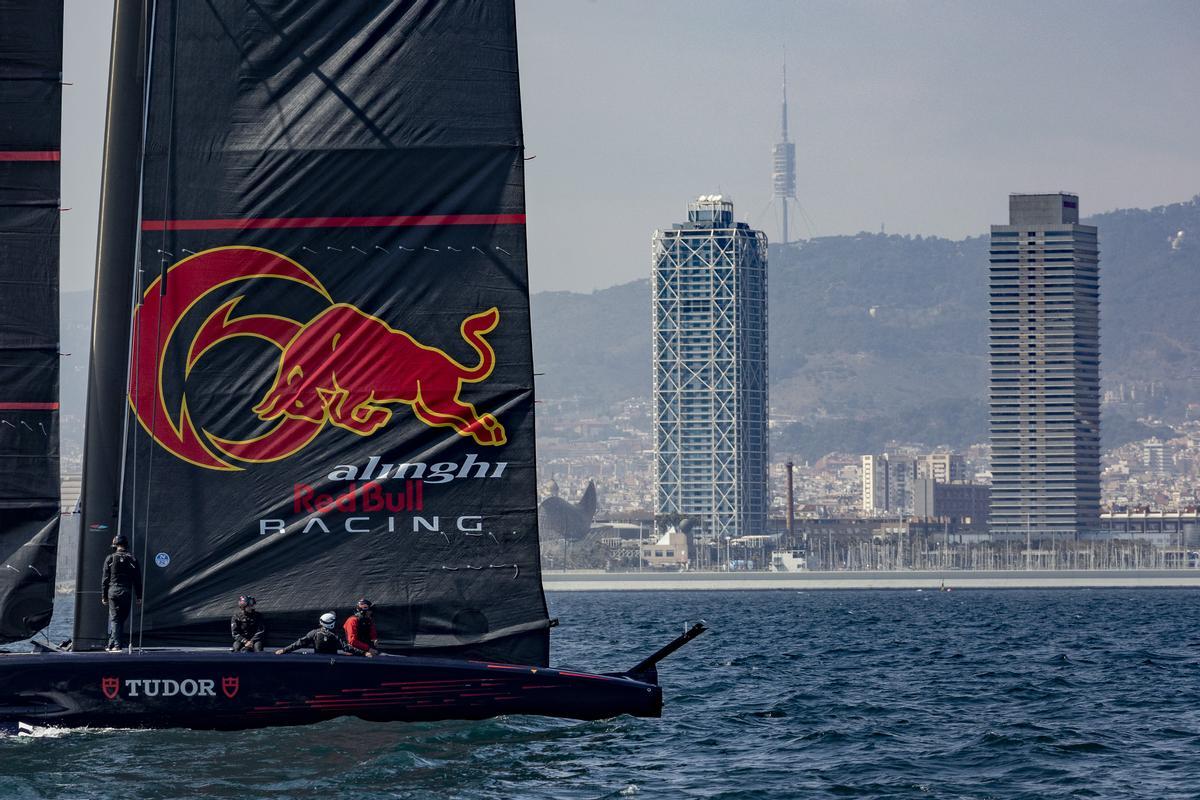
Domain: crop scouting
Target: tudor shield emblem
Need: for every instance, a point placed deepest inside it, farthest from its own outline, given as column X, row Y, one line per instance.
column 111, row 687
column 229, row 686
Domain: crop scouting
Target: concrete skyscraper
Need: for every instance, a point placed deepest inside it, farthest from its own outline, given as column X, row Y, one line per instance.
column 887, row 483
column 1044, row 370
column 710, row 371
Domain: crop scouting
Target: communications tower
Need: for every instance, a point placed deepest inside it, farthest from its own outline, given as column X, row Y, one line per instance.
column 783, row 163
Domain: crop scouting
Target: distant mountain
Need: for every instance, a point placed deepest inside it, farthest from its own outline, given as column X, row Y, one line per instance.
column 877, row 338
column 873, row 338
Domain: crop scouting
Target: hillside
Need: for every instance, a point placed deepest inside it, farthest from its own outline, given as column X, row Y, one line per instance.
column 873, row 337
column 878, row 337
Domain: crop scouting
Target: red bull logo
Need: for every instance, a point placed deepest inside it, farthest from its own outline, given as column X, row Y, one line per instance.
column 344, row 367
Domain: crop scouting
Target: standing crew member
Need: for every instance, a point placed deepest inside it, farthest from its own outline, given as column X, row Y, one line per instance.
column 121, row 583
column 247, row 626
column 360, row 629
column 325, row 639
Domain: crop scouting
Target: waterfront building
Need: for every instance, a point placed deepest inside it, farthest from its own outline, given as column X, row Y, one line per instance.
column 1155, row 457
column 942, row 467
column 669, row 551
column 709, row 287
column 1173, row 528
column 954, row 502
column 874, row 484
column 887, row 483
column 1044, row 360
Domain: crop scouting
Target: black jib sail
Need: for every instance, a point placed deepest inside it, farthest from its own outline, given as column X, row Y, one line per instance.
column 330, row 384
column 30, row 116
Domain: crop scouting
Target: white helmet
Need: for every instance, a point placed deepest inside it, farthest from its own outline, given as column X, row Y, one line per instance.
column 328, row 620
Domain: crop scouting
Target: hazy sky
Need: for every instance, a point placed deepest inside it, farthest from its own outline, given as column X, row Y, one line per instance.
column 921, row 116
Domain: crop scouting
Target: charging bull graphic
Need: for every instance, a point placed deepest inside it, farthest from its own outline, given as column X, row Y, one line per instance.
column 344, row 367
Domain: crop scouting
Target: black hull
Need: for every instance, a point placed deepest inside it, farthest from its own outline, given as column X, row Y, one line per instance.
column 226, row 691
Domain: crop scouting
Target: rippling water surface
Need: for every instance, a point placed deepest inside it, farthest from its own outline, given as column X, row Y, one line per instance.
column 979, row 694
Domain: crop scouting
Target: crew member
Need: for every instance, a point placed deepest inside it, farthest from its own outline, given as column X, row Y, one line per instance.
column 122, row 582
column 247, row 626
column 325, row 639
column 360, row 629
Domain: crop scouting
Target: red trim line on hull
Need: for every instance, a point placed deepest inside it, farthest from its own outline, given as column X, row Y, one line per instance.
column 250, row 223
column 29, row 155
column 28, row 406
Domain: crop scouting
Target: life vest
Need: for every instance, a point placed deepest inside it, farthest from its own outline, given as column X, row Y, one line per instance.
column 360, row 632
column 122, row 572
column 324, row 641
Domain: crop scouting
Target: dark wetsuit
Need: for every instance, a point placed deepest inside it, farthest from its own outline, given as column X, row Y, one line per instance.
column 121, row 584
column 323, row 641
column 248, row 629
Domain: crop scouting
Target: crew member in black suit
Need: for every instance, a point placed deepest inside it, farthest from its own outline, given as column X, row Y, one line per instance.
column 122, row 582
column 247, row 626
column 325, row 639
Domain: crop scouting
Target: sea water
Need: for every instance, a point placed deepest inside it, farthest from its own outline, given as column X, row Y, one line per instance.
column 889, row 694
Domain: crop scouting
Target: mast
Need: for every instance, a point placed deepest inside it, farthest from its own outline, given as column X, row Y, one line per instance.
column 116, row 259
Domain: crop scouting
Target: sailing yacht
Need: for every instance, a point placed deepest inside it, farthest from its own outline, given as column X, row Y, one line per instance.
column 311, row 373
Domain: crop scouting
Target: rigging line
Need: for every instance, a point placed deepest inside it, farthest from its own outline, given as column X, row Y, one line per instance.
column 763, row 212
column 136, row 291
column 808, row 223
column 162, row 287
column 149, row 477
column 131, row 385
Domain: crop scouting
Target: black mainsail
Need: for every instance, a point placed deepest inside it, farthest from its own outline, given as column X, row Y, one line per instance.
column 330, row 370
column 30, row 134
column 311, row 376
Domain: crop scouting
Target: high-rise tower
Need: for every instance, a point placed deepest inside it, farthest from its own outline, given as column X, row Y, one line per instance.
column 710, row 372
column 783, row 167
column 1044, row 370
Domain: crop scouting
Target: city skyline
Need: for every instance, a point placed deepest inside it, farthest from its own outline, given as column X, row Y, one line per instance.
column 538, row 29
column 887, row 114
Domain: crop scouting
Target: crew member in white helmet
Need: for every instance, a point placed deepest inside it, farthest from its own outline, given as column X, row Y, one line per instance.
column 324, row 639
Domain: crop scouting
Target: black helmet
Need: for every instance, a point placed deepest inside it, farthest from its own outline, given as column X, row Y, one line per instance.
column 246, row 601
column 364, row 605
column 120, row 540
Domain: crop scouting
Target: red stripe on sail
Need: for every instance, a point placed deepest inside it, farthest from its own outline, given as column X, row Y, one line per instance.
column 29, row 155
column 28, row 406
column 420, row 220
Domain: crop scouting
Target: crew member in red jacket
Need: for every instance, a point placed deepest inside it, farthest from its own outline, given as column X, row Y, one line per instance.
column 360, row 629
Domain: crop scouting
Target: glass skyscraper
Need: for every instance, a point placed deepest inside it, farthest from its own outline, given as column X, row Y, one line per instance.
column 1044, row 370
column 710, row 372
